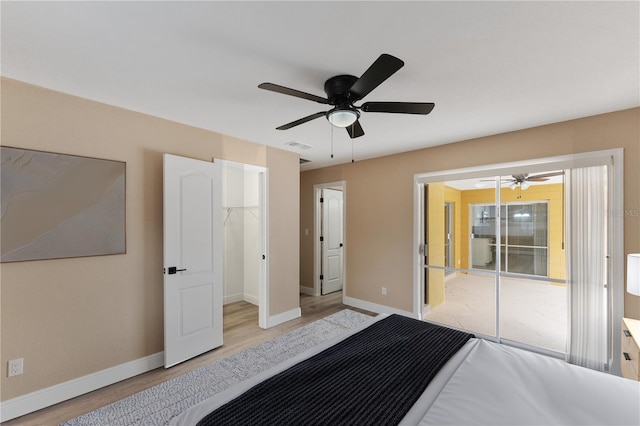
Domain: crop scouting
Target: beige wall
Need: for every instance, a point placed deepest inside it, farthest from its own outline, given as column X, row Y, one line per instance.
column 66, row 317
column 379, row 198
column 284, row 216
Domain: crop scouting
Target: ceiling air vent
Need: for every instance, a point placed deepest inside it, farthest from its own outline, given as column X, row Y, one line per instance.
column 298, row 145
column 302, row 160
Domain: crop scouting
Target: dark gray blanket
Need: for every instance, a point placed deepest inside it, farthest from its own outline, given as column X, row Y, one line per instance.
column 370, row 378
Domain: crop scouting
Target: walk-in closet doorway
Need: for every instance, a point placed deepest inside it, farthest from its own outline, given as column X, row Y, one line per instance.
column 245, row 235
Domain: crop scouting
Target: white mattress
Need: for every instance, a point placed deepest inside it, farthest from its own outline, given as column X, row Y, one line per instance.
column 500, row 385
column 486, row 383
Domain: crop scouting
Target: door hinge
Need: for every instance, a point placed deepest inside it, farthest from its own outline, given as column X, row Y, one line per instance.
column 321, row 238
column 321, row 277
column 321, row 200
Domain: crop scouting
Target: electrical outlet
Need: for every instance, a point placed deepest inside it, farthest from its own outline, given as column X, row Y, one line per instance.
column 384, row 291
column 16, row 367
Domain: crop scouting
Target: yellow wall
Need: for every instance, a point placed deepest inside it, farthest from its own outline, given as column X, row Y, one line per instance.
column 72, row 317
column 435, row 242
column 379, row 247
column 551, row 193
column 454, row 196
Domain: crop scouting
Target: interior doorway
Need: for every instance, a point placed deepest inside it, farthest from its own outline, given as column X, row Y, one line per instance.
column 329, row 265
column 244, row 235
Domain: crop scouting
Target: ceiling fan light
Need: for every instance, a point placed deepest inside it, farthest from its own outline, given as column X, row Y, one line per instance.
column 524, row 185
column 513, row 185
column 342, row 117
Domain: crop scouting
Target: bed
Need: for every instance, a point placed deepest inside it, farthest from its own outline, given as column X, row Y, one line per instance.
column 397, row 370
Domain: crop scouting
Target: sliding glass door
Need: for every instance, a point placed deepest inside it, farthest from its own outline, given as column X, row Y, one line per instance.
column 483, row 236
column 524, row 229
column 537, row 258
column 526, row 236
column 500, row 283
column 466, row 299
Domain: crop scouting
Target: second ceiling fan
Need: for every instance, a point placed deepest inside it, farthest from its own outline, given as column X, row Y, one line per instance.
column 343, row 90
column 522, row 180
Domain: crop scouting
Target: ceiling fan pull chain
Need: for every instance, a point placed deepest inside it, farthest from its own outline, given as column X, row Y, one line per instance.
column 352, row 160
column 331, row 141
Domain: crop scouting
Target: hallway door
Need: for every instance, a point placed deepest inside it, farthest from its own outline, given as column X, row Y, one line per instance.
column 331, row 240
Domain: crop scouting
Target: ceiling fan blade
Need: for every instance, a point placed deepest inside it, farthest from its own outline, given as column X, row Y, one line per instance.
column 355, row 130
column 537, row 179
column 292, row 92
column 545, row 175
column 398, row 107
column 383, row 67
column 301, row 121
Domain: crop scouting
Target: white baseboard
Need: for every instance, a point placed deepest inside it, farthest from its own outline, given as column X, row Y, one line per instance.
column 283, row 317
column 40, row 399
column 250, row 298
column 374, row 307
column 307, row 290
column 238, row 297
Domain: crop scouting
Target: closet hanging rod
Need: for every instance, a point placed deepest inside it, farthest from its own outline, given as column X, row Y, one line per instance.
column 231, row 209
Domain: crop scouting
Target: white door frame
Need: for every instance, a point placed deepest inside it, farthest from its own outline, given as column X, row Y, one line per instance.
column 614, row 157
column 263, row 273
column 317, row 220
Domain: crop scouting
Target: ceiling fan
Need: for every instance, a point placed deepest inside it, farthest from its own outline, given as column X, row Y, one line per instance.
column 343, row 90
column 522, row 180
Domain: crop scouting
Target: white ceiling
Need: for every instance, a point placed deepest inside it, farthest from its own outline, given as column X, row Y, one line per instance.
column 490, row 67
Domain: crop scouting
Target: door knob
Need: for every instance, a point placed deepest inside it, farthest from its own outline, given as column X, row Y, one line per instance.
column 173, row 270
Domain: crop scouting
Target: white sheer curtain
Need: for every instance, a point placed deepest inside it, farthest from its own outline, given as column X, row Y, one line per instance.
column 586, row 203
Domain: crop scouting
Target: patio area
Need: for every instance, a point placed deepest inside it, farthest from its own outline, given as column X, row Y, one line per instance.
column 533, row 312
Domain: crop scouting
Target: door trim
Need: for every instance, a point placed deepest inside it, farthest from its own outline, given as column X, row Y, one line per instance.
column 317, row 252
column 449, row 248
column 263, row 275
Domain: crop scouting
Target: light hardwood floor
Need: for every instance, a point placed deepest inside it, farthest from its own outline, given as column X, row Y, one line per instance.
column 241, row 331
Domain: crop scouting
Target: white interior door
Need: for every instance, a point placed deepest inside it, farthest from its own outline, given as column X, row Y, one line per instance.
column 332, row 246
column 193, row 294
